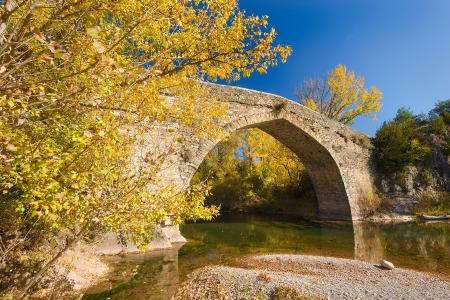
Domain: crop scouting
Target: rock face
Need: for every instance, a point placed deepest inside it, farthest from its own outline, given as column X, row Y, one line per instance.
column 406, row 188
column 336, row 157
column 164, row 236
column 83, row 268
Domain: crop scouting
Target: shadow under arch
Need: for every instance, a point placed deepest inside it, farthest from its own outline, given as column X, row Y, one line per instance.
column 329, row 187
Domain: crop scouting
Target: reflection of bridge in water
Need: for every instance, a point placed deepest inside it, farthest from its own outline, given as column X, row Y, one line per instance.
column 369, row 242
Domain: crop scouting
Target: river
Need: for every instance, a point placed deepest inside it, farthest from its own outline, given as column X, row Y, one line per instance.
column 157, row 274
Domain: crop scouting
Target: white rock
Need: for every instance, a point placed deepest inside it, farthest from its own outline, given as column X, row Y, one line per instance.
column 387, row 265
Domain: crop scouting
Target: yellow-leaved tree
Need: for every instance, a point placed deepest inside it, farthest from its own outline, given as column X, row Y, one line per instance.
column 75, row 78
column 342, row 97
column 278, row 165
column 251, row 170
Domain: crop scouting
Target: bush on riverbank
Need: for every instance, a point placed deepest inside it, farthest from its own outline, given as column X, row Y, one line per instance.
column 412, row 157
column 405, row 141
column 434, row 203
column 399, row 143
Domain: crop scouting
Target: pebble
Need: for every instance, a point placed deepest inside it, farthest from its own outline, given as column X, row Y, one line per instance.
column 387, row 265
column 311, row 276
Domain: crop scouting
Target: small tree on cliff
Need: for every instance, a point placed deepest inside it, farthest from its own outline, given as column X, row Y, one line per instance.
column 341, row 97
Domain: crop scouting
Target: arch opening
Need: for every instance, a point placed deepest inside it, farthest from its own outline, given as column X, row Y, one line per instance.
column 324, row 173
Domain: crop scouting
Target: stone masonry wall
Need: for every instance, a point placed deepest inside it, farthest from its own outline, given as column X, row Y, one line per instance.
column 336, row 157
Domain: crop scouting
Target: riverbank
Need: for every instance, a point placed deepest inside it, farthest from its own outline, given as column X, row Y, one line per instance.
column 156, row 275
column 310, row 277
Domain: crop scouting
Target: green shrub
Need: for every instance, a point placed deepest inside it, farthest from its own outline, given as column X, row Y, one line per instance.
column 446, row 117
column 404, row 114
column 446, row 146
column 400, row 178
column 434, row 203
column 279, row 106
column 440, row 108
column 426, row 178
column 437, row 126
column 397, row 145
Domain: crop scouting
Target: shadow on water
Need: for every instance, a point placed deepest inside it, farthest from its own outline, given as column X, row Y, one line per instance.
column 156, row 275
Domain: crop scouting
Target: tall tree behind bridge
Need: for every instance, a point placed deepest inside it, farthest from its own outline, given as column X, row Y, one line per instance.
column 341, row 97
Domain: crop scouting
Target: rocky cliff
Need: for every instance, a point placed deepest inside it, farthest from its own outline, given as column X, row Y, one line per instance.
column 406, row 189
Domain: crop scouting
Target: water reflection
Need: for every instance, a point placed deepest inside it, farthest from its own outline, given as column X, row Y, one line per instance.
column 420, row 246
column 156, row 275
column 152, row 275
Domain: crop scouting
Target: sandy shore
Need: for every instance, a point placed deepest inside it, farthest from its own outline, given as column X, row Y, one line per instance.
column 310, row 277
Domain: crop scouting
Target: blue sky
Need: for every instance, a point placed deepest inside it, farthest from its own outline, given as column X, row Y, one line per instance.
column 401, row 46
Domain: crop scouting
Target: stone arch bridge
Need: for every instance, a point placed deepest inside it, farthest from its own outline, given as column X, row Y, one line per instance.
column 336, row 157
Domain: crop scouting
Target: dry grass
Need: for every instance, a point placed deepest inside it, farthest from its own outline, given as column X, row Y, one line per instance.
column 211, row 288
column 285, row 292
column 264, row 277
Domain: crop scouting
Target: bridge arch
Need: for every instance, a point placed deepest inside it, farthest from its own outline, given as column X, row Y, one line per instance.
column 336, row 157
column 332, row 198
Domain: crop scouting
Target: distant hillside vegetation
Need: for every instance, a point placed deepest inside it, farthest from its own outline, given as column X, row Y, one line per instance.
column 412, row 157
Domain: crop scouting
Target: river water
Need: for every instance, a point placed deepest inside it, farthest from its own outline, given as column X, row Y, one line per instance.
column 157, row 274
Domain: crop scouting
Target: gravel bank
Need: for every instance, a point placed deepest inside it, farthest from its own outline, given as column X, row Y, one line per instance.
column 311, row 277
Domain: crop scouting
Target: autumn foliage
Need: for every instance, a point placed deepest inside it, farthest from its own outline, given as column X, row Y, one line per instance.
column 252, row 171
column 341, row 97
column 75, row 77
